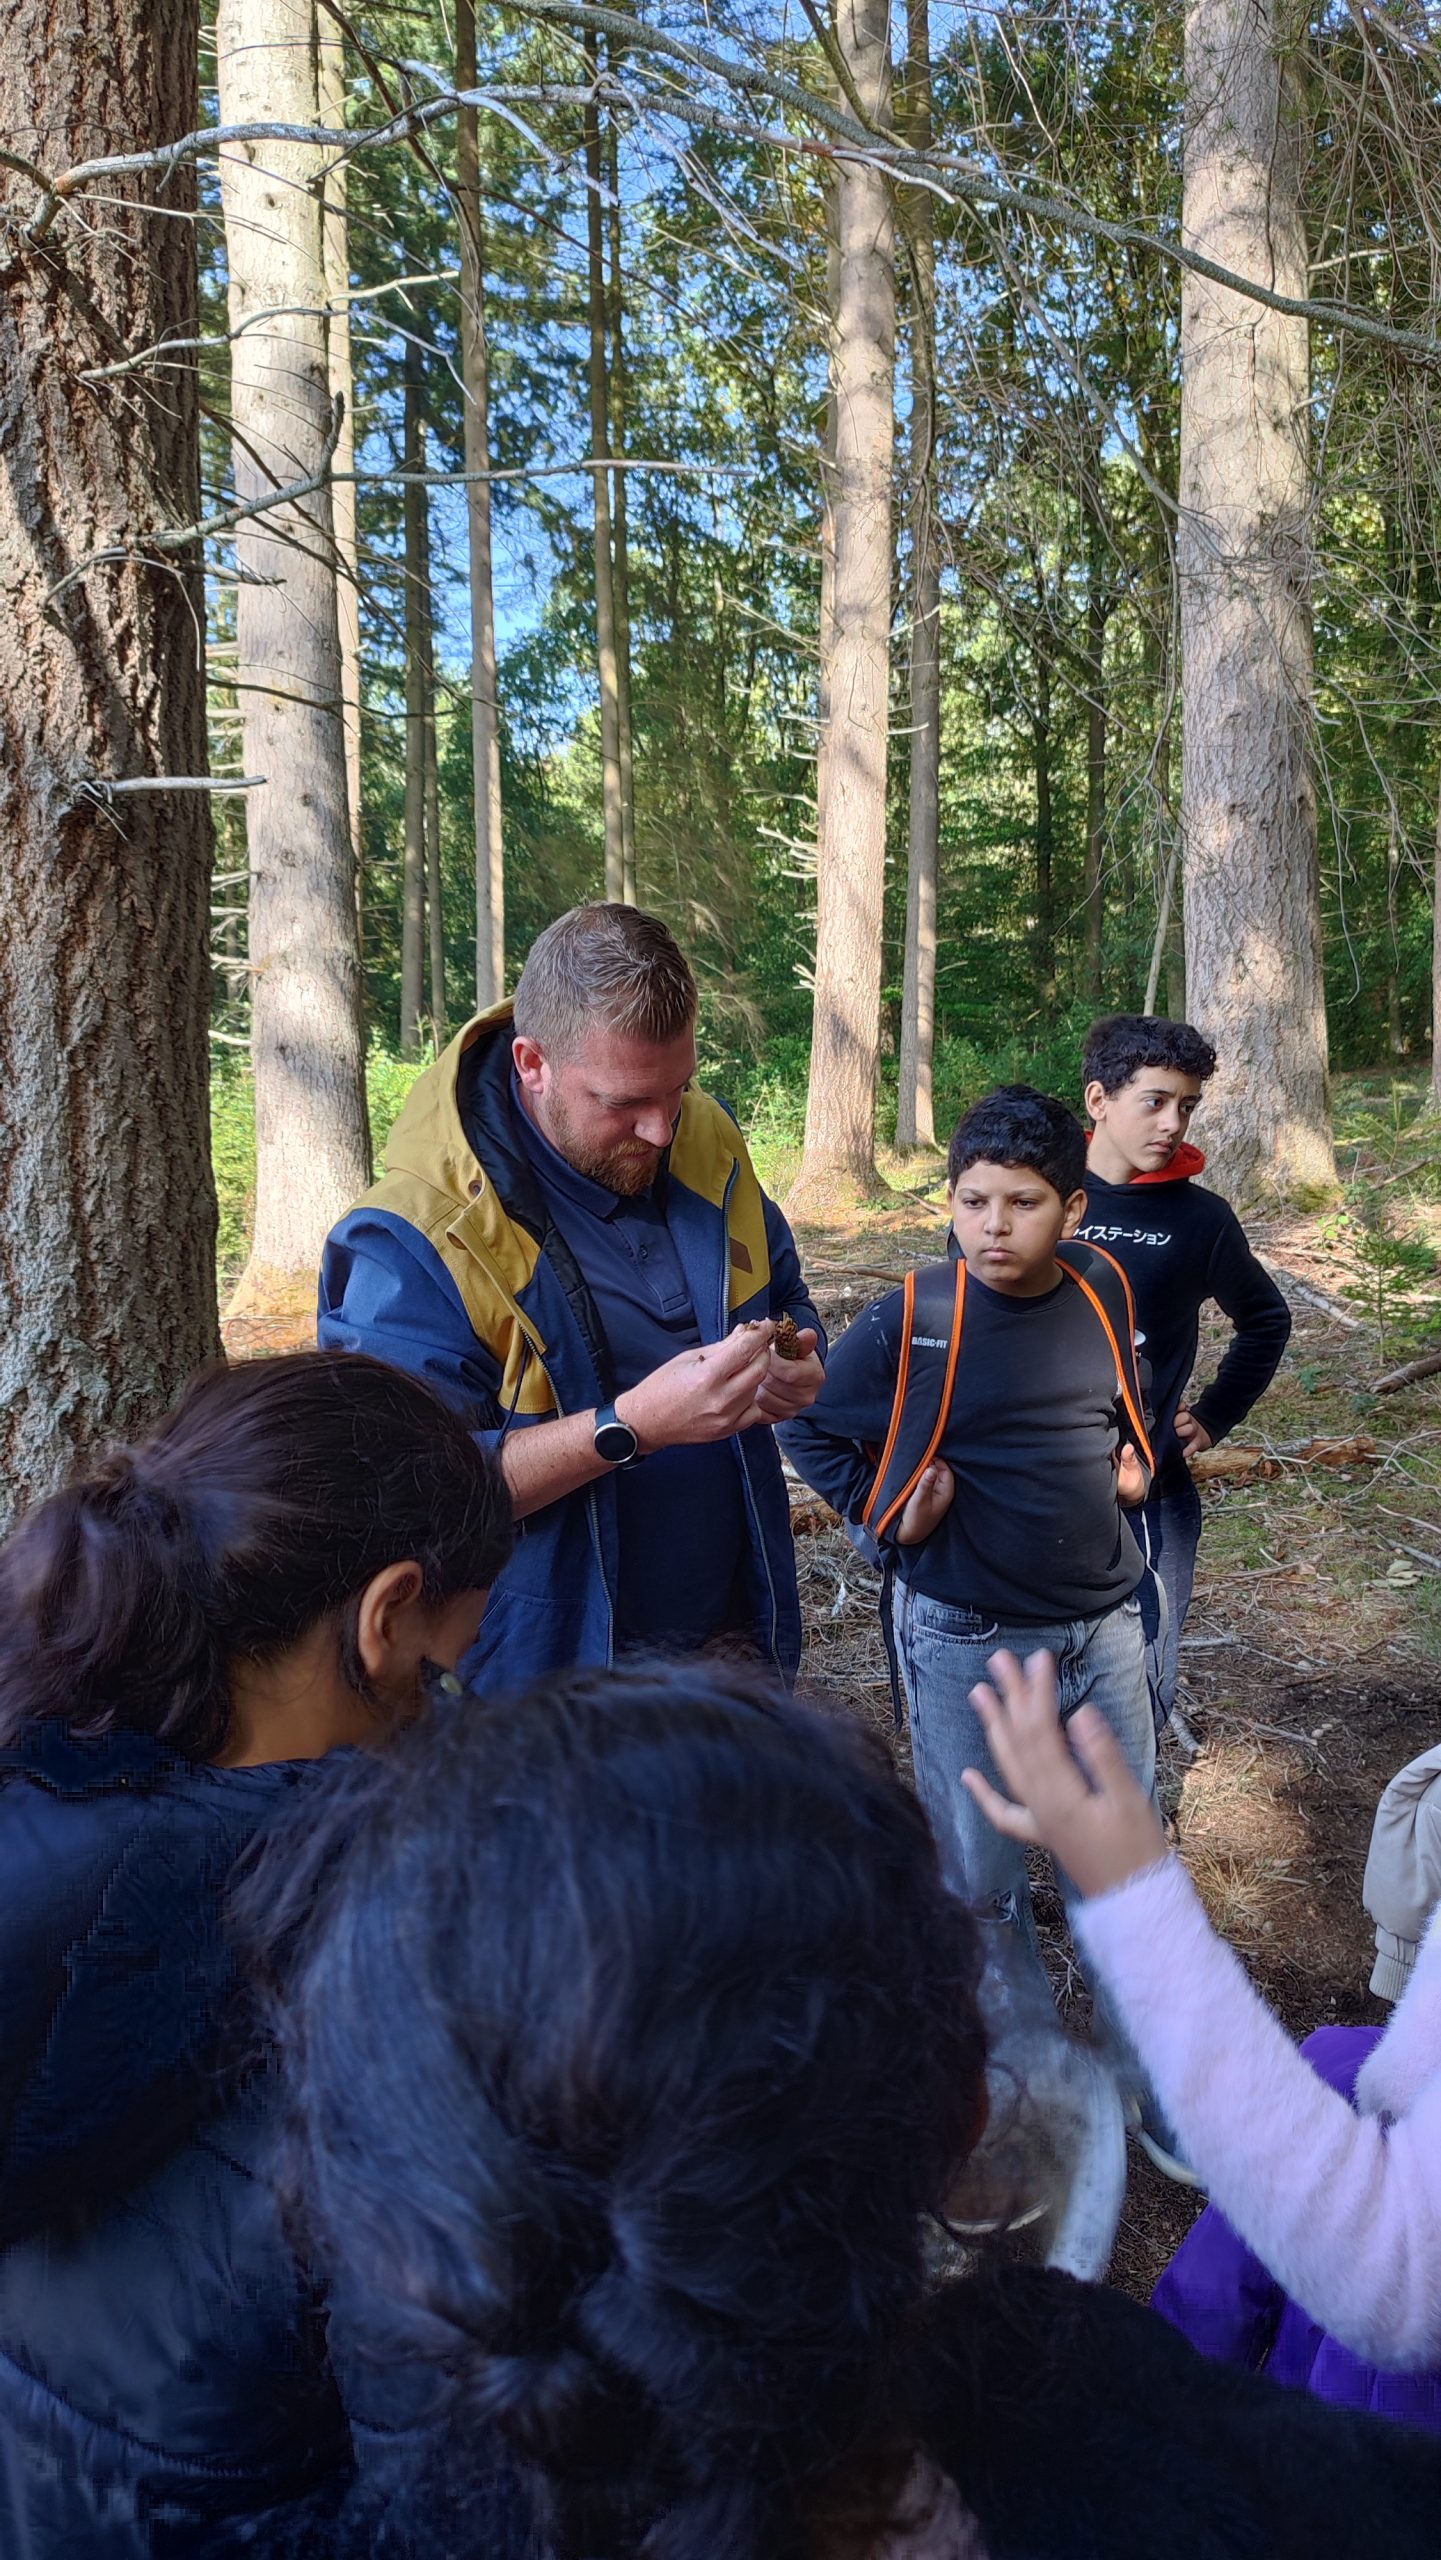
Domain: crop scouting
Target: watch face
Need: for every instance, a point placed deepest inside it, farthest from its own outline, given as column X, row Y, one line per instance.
column 615, row 1442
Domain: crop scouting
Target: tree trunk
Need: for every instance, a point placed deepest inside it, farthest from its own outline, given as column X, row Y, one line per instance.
column 1094, row 894
column 1395, row 1036
column 620, row 526
column 1435, row 966
column 335, row 234
column 851, row 776
column 1041, row 745
column 1158, row 663
column 600, row 485
column 484, row 689
column 915, row 1114
column 107, row 1209
column 1252, row 904
column 312, row 1141
column 434, row 890
column 412, row 876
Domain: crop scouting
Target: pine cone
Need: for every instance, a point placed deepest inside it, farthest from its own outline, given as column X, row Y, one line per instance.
column 786, row 1340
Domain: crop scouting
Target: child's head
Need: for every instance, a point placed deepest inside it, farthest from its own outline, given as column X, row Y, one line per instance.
column 632, row 2032
column 1143, row 1079
column 1015, row 1178
column 323, row 1498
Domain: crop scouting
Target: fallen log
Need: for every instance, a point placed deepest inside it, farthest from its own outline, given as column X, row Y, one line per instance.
column 1311, row 1297
column 1426, row 1367
column 1251, row 1466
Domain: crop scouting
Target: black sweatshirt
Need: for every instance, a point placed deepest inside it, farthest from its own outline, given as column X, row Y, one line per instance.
column 1178, row 1246
column 1036, row 1531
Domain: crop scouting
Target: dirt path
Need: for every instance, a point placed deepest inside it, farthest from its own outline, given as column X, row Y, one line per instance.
column 1311, row 1669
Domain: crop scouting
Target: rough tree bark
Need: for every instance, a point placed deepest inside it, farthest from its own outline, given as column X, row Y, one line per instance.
column 598, row 371
column 851, row 777
column 1252, row 904
column 412, row 875
column 434, row 888
column 915, row 1115
column 620, row 521
column 335, row 238
column 312, row 1138
column 107, row 1210
column 475, row 384
column 1094, row 892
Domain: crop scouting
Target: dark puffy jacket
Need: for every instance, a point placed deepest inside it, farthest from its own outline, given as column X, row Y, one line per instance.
column 163, row 2375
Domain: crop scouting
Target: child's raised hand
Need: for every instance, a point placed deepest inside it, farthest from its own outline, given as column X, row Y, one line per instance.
column 1073, row 1791
column 1131, row 1478
column 928, row 1505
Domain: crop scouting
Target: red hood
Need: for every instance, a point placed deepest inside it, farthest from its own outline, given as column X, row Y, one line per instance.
column 1186, row 1161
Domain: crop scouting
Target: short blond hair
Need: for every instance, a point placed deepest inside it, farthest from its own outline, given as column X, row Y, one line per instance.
column 606, row 964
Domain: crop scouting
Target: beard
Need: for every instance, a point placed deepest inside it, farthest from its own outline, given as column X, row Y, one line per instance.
column 627, row 1169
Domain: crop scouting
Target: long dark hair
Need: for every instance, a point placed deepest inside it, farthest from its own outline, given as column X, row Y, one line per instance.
column 631, row 2034
column 267, row 1500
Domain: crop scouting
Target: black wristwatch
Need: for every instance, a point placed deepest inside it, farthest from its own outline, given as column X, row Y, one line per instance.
column 614, row 1440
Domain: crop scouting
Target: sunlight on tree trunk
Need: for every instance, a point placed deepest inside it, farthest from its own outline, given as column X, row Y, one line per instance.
column 620, row 525
column 915, row 1116
column 1094, row 887
column 312, row 1143
column 598, row 373
column 336, row 239
column 475, row 384
column 412, row 876
column 107, row 1210
column 434, row 876
column 839, row 1148
column 1252, row 903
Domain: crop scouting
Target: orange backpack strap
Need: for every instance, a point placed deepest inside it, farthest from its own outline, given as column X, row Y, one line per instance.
column 932, row 1309
column 1108, row 1292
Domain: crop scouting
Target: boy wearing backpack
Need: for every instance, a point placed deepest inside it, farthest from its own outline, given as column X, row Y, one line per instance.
column 1178, row 1245
column 986, row 1423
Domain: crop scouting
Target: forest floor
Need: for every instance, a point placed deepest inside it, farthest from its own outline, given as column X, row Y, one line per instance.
column 1311, row 1664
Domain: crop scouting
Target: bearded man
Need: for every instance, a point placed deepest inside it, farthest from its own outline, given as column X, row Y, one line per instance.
column 570, row 1242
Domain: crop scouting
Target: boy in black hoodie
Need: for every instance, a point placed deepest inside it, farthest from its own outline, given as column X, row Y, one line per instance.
column 1178, row 1245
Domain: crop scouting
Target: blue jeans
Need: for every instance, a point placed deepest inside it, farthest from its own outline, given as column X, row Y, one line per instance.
column 944, row 1651
column 1173, row 1525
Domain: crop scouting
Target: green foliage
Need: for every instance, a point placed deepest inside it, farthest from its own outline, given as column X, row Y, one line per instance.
column 232, row 1143
column 388, row 1080
column 1057, row 360
column 1393, row 1268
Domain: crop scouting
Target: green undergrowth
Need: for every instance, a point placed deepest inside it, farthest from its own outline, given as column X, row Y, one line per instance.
column 388, row 1080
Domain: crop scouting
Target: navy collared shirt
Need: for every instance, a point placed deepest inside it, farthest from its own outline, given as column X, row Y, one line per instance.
column 681, row 1512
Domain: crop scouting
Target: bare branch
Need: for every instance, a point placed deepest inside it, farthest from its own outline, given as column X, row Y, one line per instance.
column 98, row 789
column 185, row 537
column 964, row 178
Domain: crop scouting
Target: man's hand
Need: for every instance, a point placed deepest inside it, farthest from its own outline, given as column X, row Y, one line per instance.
column 700, row 1395
column 1192, row 1436
column 928, row 1505
column 791, row 1386
column 1073, row 1791
column 1131, row 1478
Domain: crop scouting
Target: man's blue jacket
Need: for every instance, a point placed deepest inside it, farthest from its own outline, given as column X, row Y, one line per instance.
column 450, row 1267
